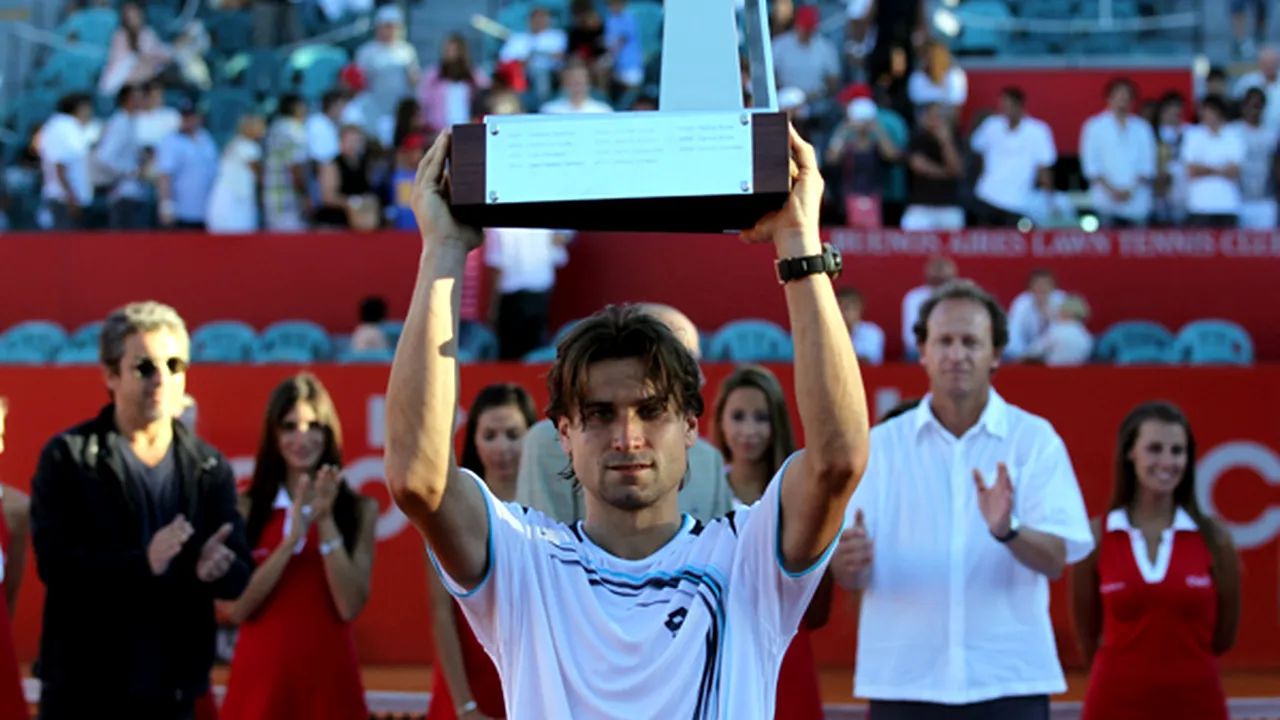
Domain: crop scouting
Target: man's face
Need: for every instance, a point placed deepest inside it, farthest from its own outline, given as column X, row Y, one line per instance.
column 1042, row 287
column 152, row 381
column 539, row 20
column 851, row 311
column 939, row 272
column 629, row 447
column 1010, row 108
column 576, row 82
column 1121, row 99
column 958, row 354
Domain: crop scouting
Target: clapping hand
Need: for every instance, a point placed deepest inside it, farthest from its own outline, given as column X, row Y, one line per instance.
column 167, row 543
column 300, row 512
column 996, row 502
column 430, row 199
column 854, row 553
column 326, row 490
column 215, row 557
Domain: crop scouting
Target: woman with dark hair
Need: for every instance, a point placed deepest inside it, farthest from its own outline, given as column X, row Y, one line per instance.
column 465, row 683
column 313, row 540
column 1159, row 598
column 752, row 429
column 448, row 89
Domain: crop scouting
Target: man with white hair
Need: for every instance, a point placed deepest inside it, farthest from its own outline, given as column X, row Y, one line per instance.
column 1267, row 79
column 541, row 483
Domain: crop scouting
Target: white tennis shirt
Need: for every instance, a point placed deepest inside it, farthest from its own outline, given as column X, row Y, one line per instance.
column 696, row 630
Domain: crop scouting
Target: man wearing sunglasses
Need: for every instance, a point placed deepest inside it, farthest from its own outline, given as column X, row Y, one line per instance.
column 136, row 533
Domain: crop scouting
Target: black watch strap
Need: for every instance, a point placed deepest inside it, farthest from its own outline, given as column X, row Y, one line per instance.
column 828, row 262
column 1007, row 537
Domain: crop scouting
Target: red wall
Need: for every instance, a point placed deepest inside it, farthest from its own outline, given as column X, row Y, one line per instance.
column 1169, row 276
column 1231, row 410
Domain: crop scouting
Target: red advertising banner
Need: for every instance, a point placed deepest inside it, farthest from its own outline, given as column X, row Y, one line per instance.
column 1169, row 276
column 1231, row 411
column 1065, row 97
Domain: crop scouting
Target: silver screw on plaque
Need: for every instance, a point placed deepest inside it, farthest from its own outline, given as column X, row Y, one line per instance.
column 744, row 118
column 493, row 130
column 746, row 186
column 493, row 196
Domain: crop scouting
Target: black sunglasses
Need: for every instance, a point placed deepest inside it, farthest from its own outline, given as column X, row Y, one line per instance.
column 147, row 369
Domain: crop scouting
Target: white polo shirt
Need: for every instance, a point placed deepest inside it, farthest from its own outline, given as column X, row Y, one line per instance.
column 948, row 615
column 1011, row 159
column 696, row 630
column 1213, row 194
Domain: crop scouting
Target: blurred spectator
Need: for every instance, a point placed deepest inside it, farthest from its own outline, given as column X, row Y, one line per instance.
column 276, row 23
column 1170, row 191
column 136, row 54
column 782, row 16
column 804, row 59
column 867, row 337
column 934, row 160
column 939, row 80
column 862, row 149
column 118, row 165
column 1266, row 78
column 1118, row 158
column 449, row 89
column 1015, row 149
column 322, row 127
column 233, row 203
column 1032, row 311
column 389, row 63
column 860, row 39
column 155, row 121
column 524, row 264
column 586, row 41
column 938, row 271
column 400, row 206
column 1213, row 156
column 347, row 199
column 407, row 121
column 64, row 160
column 1246, row 46
column 286, row 202
column 890, row 87
column 575, row 81
column 369, row 334
column 1259, row 169
column 186, row 167
column 1066, row 342
column 14, row 526
column 189, row 48
column 622, row 37
column 540, row 49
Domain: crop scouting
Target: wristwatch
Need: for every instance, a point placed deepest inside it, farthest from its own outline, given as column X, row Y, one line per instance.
column 829, row 262
column 467, row 707
column 1007, row 537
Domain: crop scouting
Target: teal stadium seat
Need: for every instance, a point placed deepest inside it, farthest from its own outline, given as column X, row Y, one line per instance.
column 1128, row 337
column 751, row 341
column 223, row 341
column 1213, row 342
column 300, row 334
column 33, row 340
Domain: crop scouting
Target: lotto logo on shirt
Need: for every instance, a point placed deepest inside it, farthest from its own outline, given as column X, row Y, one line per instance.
column 1111, row 587
column 1199, row 581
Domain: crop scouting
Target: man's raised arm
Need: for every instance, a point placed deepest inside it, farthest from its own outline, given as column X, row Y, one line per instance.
column 829, row 392
column 422, row 393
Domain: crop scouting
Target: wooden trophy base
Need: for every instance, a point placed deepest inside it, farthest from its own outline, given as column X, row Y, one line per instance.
column 578, row 173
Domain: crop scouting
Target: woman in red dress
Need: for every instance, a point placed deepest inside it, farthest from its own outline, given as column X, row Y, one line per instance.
column 1159, row 598
column 313, row 540
column 13, row 559
column 753, row 431
column 465, row 683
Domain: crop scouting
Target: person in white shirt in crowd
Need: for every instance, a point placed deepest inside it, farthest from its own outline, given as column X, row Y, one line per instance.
column 556, row 606
column 867, row 337
column 933, row 202
column 322, row 127
column 64, row 161
column 860, row 38
column 186, row 167
column 117, row 165
column 156, row 120
column 286, row 201
column 804, row 59
column 1118, row 158
column 939, row 80
column 1066, row 342
column 390, row 66
column 968, row 508
column 1016, row 152
column 1032, row 311
column 1267, row 79
column 938, row 271
column 233, row 204
column 524, row 262
column 575, row 82
column 1213, row 154
column 541, row 49
column 1259, row 170
column 626, row 52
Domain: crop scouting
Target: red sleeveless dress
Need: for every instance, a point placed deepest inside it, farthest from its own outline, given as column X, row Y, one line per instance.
column 482, row 677
column 1156, row 660
column 13, row 702
column 296, row 657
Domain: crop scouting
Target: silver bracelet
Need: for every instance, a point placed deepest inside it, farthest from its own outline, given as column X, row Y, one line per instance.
column 466, row 708
column 330, row 545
